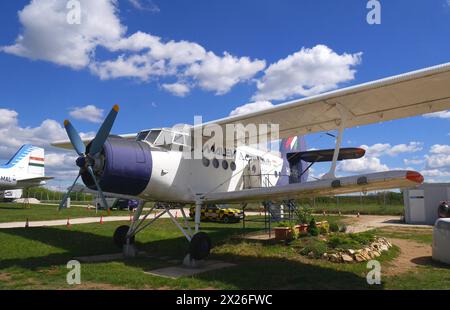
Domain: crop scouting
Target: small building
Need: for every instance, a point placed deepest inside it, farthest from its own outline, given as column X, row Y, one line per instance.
column 422, row 202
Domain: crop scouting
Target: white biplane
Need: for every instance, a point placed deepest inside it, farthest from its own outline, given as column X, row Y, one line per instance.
column 147, row 166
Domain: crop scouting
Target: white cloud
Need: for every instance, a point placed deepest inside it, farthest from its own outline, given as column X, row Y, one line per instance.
column 307, row 72
column 386, row 149
column 442, row 114
column 177, row 89
column 413, row 161
column 371, row 161
column 142, row 56
column 220, row 74
column 251, row 107
column 89, row 113
column 48, row 36
column 433, row 173
column 145, row 5
column 362, row 165
column 7, row 117
column 440, row 149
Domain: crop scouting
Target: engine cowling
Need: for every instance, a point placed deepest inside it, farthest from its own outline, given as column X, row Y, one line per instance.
column 123, row 167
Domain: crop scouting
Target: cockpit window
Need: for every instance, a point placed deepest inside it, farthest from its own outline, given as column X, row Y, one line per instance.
column 178, row 139
column 142, row 135
column 153, row 136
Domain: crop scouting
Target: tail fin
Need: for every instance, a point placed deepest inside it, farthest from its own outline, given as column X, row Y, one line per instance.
column 28, row 163
column 291, row 145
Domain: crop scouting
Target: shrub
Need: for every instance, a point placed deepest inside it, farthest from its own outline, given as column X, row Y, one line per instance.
column 312, row 228
column 334, row 227
column 283, row 224
column 323, row 230
column 316, row 246
column 350, row 241
column 303, row 215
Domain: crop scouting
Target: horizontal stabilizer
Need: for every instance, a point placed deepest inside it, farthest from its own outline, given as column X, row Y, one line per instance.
column 318, row 156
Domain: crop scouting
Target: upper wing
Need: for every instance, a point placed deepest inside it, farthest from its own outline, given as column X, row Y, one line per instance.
column 410, row 94
column 344, row 185
column 65, row 144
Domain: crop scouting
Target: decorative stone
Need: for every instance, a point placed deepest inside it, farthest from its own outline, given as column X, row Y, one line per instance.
column 347, row 258
column 359, row 258
column 350, row 251
column 384, row 247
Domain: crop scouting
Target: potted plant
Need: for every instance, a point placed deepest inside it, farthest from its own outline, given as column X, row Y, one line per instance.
column 303, row 218
column 283, row 231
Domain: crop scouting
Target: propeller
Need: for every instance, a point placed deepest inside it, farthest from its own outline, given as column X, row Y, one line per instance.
column 86, row 160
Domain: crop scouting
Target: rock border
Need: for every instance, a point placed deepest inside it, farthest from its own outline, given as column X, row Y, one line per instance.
column 372, row 251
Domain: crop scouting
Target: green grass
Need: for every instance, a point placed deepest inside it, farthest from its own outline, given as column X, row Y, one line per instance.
column 36, row 258
column 11, row 212
column 423, row 235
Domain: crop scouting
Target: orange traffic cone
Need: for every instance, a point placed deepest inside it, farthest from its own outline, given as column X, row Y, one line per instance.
column 27, row 223
column 68, row 223
column 101, row 219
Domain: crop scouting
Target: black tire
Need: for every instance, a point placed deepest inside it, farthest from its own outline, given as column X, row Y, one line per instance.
column 120, row 236
column 200, row 246
column 226, row 219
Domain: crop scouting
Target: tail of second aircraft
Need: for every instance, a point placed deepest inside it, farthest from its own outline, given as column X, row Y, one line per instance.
column 27, row 163
column 292, row 145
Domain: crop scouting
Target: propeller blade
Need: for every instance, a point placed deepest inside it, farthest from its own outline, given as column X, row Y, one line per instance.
column 62, row 205
column 104, row 131
column 98, row 187
column 75, row 139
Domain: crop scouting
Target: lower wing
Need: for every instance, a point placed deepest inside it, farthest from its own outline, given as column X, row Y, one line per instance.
column 345, row 185
column 33, row 182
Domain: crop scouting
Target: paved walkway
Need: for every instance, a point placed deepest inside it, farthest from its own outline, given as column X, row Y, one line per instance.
column 90, row 220
column 367, row 222
column 85, row 220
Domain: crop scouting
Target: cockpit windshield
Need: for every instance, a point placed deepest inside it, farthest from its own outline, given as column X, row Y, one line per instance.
column 164, row 137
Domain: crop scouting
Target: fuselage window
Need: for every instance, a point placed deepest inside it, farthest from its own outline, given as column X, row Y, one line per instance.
column 206, row 162
column 225, row 165
column 216, row 163
column 233, row 166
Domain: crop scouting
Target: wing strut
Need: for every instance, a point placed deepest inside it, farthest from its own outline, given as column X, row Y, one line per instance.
column 346, row 115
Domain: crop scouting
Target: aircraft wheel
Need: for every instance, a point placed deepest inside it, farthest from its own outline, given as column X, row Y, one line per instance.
column 120, row 236
column 200, row 246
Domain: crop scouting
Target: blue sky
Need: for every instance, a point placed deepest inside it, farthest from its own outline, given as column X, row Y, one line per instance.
column 38, row 85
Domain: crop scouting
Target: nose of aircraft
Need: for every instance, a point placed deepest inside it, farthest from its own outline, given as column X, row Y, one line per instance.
column 81, row 161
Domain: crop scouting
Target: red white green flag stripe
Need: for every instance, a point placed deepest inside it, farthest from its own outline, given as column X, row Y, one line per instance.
column 36, row 162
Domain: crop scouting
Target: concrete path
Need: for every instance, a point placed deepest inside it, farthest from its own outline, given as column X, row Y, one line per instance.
column 90, row 220
column 368, row 222
column 85, row 220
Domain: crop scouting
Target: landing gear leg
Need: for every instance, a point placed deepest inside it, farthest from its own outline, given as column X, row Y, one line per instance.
column 200, row 243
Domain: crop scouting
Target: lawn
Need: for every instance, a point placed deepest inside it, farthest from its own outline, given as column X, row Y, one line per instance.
column 11, row 212
column 35, row 259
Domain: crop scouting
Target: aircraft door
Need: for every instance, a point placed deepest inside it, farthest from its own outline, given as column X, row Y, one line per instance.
column 252, row 174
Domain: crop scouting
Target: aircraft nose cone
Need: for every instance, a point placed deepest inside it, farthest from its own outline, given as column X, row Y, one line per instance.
column 81, row 162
